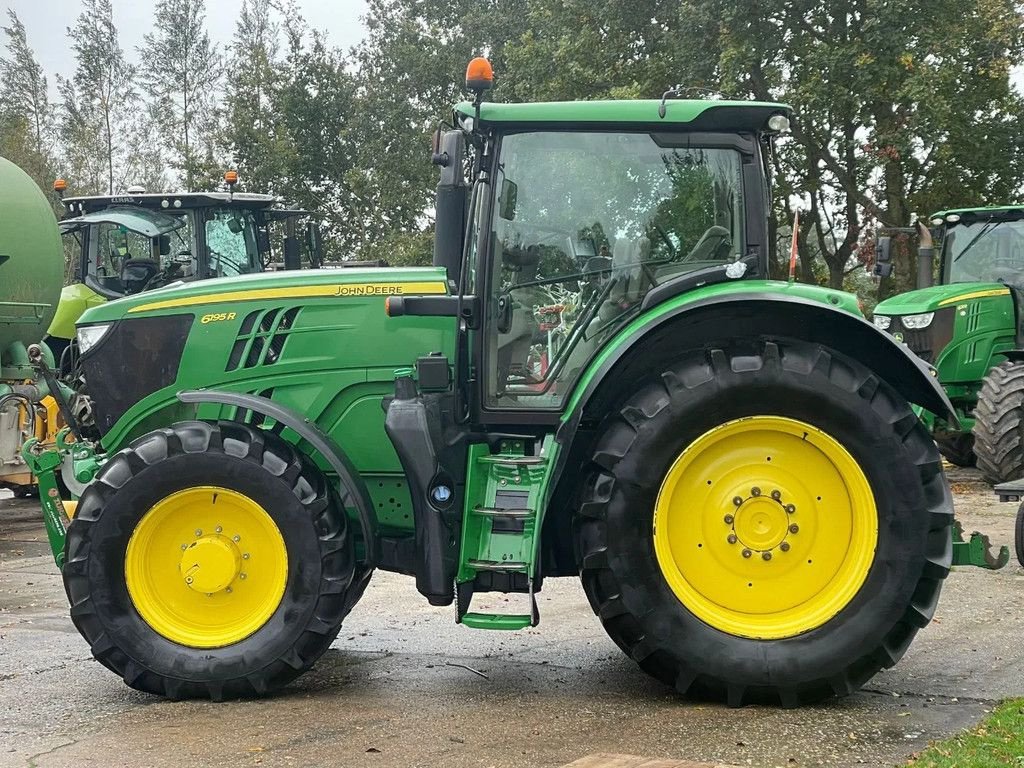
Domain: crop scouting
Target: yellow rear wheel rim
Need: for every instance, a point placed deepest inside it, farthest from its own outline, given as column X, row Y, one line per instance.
column 206, row 567
column 765, row 527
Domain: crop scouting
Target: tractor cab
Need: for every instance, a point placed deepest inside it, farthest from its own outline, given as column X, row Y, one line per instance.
column 126, row 244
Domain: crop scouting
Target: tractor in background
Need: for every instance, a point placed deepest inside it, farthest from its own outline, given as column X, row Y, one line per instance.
column 595, row 379
column 125, row 244
column 970, row 327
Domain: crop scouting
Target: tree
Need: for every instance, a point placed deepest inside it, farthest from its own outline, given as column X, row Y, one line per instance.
column 99, row 101
column 253, row 75
column 25, row 102
column 181, row 69
column 894, row 117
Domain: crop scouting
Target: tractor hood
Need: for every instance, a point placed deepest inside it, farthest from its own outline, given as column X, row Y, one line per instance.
column 215, row 294
column 937, row 297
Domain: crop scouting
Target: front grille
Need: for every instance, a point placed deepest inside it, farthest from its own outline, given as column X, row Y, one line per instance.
column 926, row 343
column 135, row 358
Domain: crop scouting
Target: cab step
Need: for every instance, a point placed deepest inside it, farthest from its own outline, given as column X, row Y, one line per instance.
column 501, row 526
column 502, row 621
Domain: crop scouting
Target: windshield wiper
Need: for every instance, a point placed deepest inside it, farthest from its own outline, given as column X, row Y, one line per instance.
column 989, row 226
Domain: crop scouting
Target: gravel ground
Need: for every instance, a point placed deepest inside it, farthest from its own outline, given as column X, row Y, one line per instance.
column 398, row 687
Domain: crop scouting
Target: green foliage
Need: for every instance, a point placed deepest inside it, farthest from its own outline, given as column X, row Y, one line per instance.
column 997, row 742
column 181, row 69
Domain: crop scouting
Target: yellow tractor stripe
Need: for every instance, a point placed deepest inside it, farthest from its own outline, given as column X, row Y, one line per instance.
column 974, row 295
column 341, row 290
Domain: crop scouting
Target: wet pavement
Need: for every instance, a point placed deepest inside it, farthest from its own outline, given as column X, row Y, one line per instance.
column 404, row 686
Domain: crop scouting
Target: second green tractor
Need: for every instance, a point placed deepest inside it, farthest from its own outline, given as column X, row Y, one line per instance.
column 969, row 325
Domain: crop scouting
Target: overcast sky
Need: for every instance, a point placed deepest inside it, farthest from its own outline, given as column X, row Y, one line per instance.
column 46, row 23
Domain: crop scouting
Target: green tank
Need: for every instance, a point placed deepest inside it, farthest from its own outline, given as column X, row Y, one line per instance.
column 31, row 276
column 31, row 265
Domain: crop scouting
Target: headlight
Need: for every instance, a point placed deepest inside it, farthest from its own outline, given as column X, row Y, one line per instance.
column 91, row 335
column 917, row 322
column 882, row 322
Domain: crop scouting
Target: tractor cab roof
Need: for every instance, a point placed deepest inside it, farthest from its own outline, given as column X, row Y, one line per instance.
column 171, row 201
column 970, row 215
column 694, row 114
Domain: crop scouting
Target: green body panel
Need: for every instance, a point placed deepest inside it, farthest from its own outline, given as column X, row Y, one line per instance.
column 983, row 327
column 634, row 111
column 336, row 365
column 31, row 259
column 846, row 302
column 74, row 300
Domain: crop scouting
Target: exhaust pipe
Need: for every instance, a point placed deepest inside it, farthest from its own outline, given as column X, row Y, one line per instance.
column 925, row 258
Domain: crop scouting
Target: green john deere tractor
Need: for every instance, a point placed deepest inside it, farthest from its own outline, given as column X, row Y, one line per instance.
column 970, row 327
column 595, row 380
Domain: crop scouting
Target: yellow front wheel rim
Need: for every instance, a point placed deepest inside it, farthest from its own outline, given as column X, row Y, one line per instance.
column 206, row 567
column 765, row 527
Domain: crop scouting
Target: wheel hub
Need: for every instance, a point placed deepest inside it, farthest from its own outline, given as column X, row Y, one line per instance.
column 210, row 564
column 761, row 523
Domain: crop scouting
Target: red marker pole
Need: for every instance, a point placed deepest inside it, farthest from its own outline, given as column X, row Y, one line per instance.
column 792, row 248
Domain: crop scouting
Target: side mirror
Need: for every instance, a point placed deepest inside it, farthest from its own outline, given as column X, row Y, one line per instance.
column 314, row 245
column 507, row 200
column 165, row 245
column 263, row 240
column 883, row 256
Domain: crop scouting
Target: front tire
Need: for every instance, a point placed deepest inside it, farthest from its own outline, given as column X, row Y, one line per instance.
column 999, row 423
column 714, row 604
column 209, row 561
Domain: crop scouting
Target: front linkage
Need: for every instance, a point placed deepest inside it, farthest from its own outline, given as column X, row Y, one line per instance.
column 45, row 462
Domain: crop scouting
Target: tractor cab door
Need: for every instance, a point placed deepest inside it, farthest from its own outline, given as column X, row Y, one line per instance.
column 582, row 227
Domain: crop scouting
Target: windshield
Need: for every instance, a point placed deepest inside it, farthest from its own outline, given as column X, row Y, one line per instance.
column 985, row 251
column 231, row 241
column 114, row 241
column 584, row 225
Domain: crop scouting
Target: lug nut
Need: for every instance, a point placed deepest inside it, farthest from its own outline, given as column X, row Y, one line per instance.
column 236, row 538
column 241, row 575
column 790, row 509
column 737, row 500
column 784, row 546
column 188, row 579
column 227, row 589
column 198, row 532
column 755, row 491
column 794, row 528
column 184, row 547
column 218, row 529
column 728, row 519
column 245, row 556
column 747, row 553
column 776, row 495
column 732, row 538
column 766, row 555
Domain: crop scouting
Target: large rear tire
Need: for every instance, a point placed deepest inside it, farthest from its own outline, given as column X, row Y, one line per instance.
column 210, row 561
column 999, row 423
column 764, row 521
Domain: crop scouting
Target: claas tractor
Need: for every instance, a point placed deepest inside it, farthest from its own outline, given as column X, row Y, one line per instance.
column 138, row 241
column 594, row 379
column 969, row 327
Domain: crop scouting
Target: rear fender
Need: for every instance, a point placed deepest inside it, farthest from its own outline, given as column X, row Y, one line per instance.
column 759, row 315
